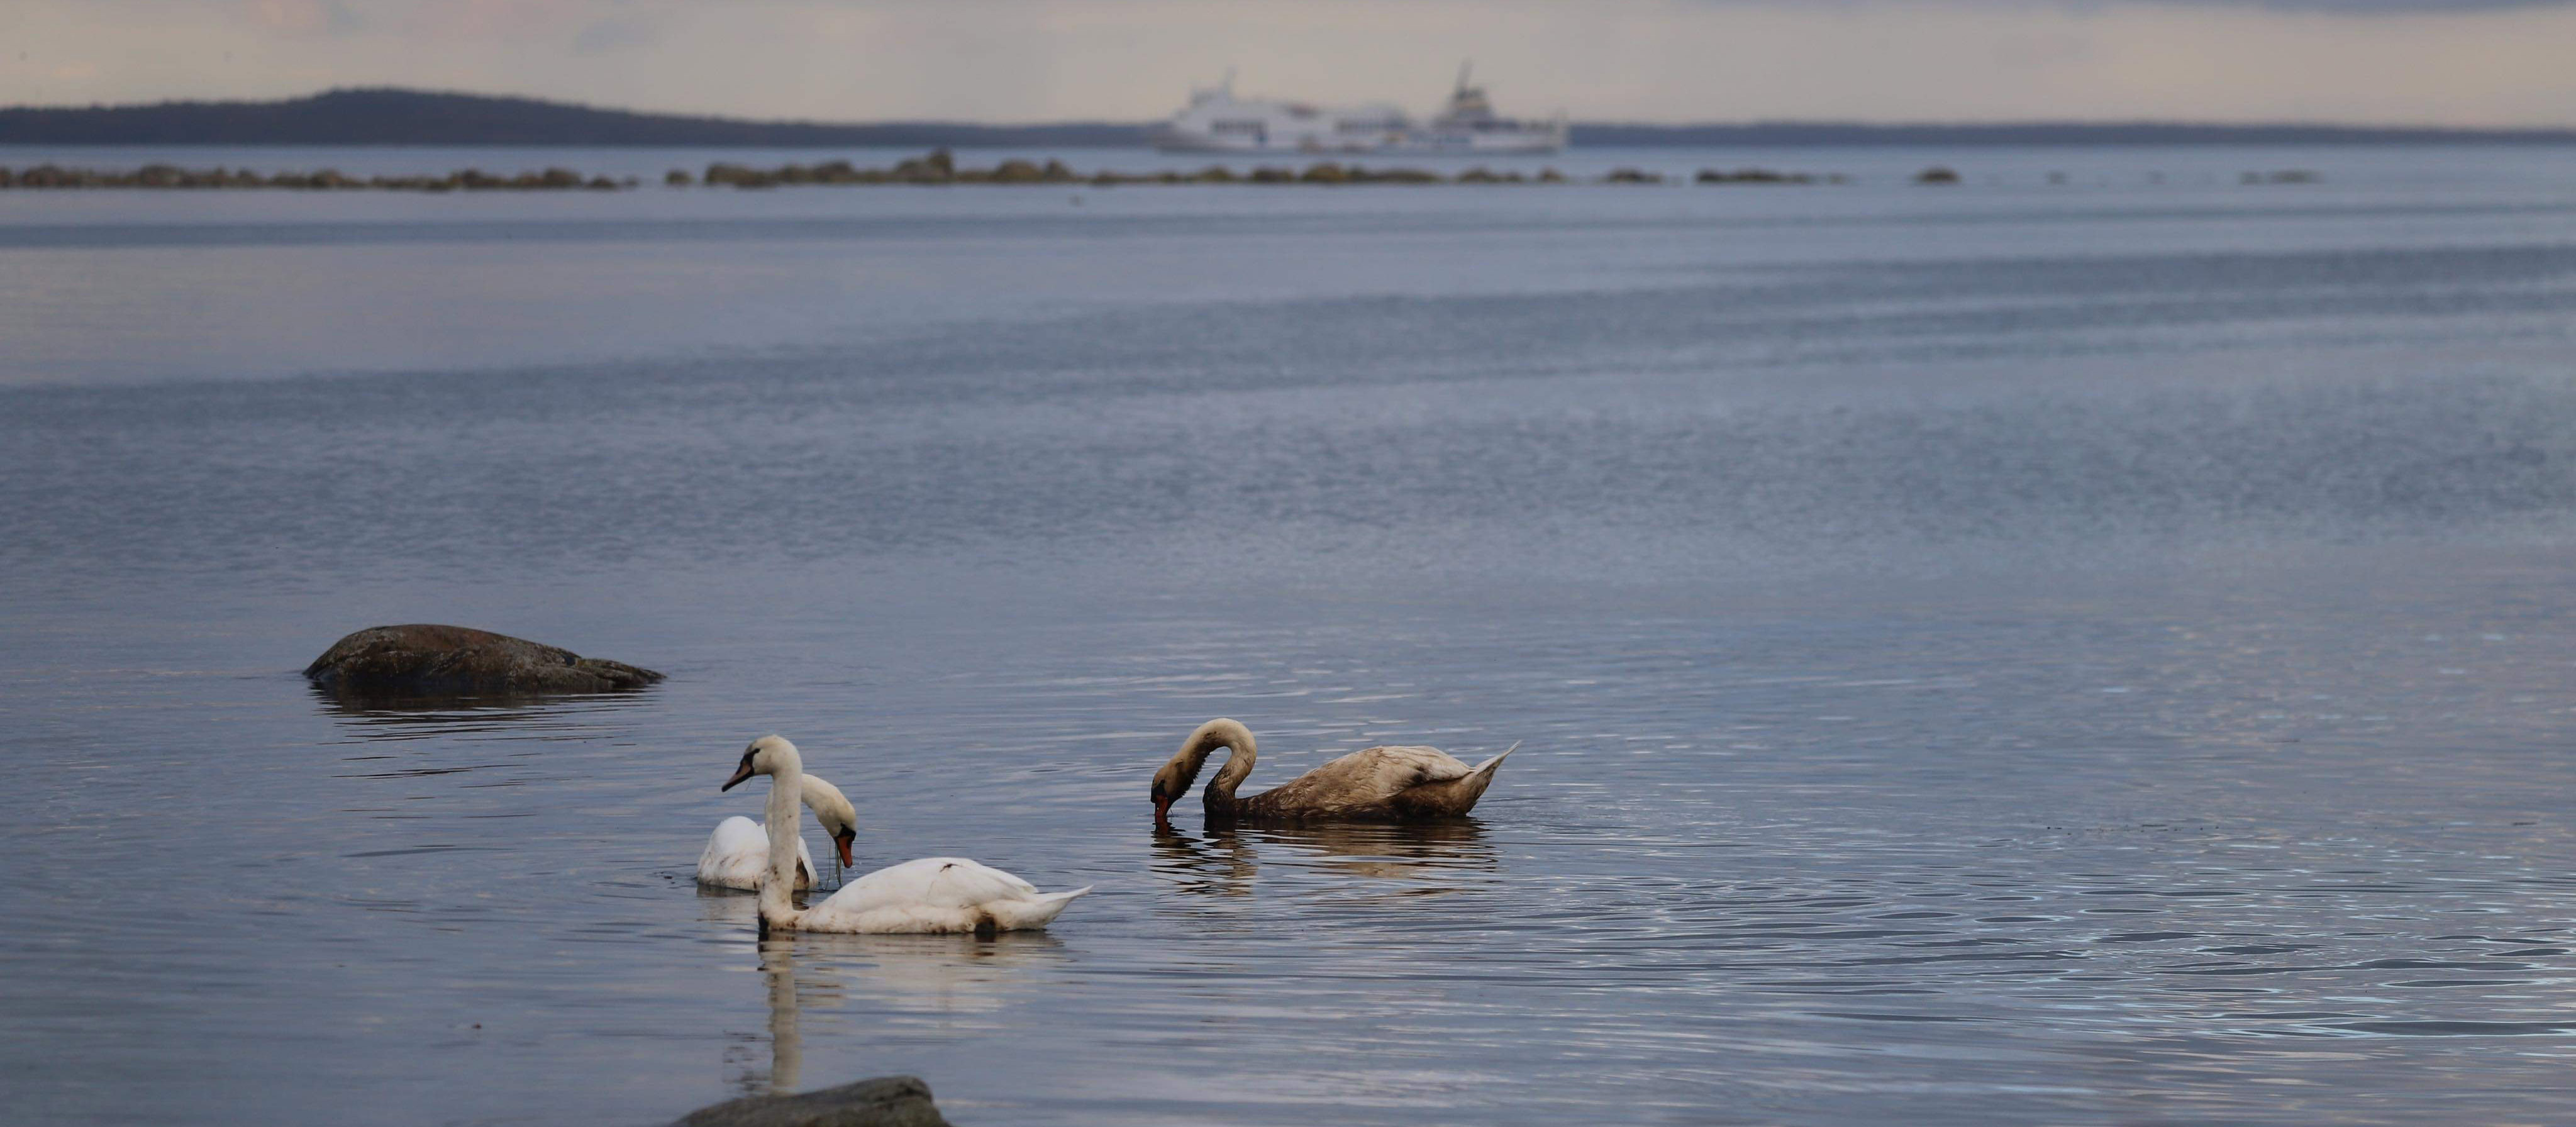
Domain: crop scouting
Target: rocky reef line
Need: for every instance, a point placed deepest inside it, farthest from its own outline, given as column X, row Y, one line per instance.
column 171, row 176
column 936, row 168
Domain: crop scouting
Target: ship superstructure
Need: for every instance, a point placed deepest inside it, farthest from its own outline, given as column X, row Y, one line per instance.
column 1218, row 121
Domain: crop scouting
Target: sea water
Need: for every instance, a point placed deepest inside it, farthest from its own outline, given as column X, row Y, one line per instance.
column 2087, row 644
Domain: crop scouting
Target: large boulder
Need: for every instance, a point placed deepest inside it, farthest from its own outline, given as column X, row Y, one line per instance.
column 888, row 1101
column 424, row 660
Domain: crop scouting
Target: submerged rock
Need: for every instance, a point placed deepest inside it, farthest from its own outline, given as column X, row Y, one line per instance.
column 888, row 1101
column 1753, row 176
column 427, row 660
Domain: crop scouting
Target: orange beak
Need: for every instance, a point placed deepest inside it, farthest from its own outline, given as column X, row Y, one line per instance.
column 744, row 772
column 843, row 839
column 1162, row 809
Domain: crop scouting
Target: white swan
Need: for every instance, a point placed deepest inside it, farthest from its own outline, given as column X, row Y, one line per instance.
column 933, row 894
column 737, row 854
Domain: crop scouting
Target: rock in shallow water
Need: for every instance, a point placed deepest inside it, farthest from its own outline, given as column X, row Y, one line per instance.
column 424, row 660
column 888, row 1101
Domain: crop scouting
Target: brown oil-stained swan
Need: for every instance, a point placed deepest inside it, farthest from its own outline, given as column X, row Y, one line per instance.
column 933, row 894
column 1379, row 783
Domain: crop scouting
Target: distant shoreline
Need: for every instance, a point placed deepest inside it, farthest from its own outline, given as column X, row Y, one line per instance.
column 412, row 118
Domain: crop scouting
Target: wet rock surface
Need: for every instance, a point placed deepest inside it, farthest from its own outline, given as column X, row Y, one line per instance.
column 888, row 1101
column 429, row 660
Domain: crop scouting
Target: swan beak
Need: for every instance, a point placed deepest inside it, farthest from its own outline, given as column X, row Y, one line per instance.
column 744, row 772
column 1162, row 809
column 843, row 839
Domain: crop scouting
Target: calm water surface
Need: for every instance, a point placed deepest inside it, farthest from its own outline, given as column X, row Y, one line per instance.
column 2029, row 652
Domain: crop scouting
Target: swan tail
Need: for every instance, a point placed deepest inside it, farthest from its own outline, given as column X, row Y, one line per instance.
column 1034, row 912
column 1454, row 797
column 1486, row 768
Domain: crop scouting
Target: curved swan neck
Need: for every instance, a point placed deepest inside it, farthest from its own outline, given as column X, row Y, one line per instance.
column 784, row 819
column 1238, row 761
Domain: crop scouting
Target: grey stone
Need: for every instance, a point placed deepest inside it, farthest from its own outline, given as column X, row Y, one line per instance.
column 887, row 1101
column 421, row 660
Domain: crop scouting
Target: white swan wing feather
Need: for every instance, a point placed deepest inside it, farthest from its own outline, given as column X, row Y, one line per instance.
column 938, row 894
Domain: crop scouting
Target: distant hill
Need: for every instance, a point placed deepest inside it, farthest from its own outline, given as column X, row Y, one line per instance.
column 384, row 116
column 416, row 117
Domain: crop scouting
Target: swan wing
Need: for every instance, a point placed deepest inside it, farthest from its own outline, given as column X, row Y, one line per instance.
column 1374, row 775
column 937, row 894
column 941, row 882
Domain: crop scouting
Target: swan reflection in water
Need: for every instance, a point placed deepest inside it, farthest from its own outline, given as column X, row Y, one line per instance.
column 888, row 978
column 1222, row 859
column 786, row 1042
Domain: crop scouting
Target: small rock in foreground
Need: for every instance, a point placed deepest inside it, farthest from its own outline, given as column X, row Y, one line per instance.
column 888, row 1101
column 423, row 659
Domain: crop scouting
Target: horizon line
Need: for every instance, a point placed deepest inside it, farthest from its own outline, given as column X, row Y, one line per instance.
column 2312, row 125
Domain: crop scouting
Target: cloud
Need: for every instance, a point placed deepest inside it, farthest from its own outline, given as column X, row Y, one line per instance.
column 2371, row 7
column 618, row 32
column 308, row 17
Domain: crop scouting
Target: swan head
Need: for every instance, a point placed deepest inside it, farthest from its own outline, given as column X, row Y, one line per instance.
column 766, row 756
column 1170, row 784
column 833, row 809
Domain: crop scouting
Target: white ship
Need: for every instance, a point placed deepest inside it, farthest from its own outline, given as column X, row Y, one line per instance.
column 1218, row 122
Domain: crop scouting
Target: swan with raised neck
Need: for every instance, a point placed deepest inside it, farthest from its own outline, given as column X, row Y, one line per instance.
column 1374, row 784
column 933, row 894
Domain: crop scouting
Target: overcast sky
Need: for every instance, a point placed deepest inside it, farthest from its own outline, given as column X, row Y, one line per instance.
column 2397, row 61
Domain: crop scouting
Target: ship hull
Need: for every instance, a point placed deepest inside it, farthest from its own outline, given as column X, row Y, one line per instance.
column 1536, row 143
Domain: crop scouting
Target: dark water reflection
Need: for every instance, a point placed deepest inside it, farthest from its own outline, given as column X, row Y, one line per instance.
column 429, row 713
column 1228, row 854
column 1978, row 657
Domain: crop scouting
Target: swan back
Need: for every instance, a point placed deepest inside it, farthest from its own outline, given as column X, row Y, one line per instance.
column 938, row 894
column 1377, row 783
column 737, row 856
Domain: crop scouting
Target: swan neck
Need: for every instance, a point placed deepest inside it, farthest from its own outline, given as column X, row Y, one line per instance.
column 1237, row 739
column 784, row 818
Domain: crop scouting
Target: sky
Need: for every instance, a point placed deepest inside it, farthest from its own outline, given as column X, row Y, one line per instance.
column 2460, row 62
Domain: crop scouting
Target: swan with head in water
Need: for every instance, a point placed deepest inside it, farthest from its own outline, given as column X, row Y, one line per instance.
column 1374, row 784
column 737, row 854
column 933, row 894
